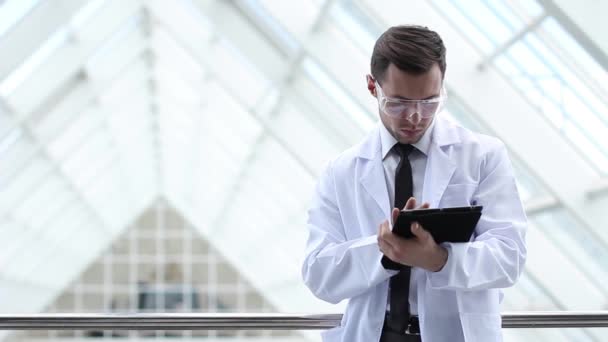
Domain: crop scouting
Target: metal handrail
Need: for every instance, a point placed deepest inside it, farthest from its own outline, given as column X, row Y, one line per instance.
column 238, row 321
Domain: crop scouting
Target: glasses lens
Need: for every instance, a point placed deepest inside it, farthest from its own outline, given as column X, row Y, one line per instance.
column 428, row 109
column 425, row 109
column 399, row 108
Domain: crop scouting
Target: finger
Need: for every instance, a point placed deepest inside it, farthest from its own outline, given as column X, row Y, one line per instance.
column 381, row 245
column 420, row 232
column 395, row 214
column 410, row 204
column 425, row 205
column 384, row 227
column 385, row 234
column 385, row 247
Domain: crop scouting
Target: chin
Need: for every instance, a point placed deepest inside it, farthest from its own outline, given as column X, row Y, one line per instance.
column 409, row 139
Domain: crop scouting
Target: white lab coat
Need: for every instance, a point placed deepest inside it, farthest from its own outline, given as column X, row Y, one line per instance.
column 459, row 303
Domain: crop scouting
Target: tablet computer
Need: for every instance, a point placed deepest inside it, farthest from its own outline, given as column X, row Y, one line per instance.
column 455, row 224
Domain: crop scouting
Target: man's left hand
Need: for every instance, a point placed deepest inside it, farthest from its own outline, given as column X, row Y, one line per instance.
column 420, row 251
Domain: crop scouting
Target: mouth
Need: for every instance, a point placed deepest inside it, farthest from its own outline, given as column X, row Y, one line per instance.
column 410, row 131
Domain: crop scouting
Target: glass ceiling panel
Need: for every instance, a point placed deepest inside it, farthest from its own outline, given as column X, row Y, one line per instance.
column 10, row 230
column 297, row 17
column 529, row 186
column 303, row 135
column 19, row 186
column 288, row 174
column 224, row 111
column 51, row 122
column 558, row 272
column 9, row 142
column 589, row 251
column 595, row 76
column 356, row 25
column 55, row 199
column 132, row 84
column 176, row 86
column 186, row 20
column 266, row 191
column 554, row 79
column 76, row 132
column 6, row 125
column 173, row 54
column 333, row 90
column 18, row 150
column 12, row 11
column 287, row 42
column 108, row 48
column 348, row 73
column 39, row 243
column 237, row 74
column 48, row 191
column 331, row 120
column 20, row 74
column 83, row 172
column 272, row 179
column 212, row 184
column 175, row 91
column 528, row 295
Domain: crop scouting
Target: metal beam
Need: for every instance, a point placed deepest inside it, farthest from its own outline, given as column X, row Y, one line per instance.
column 598, row 189
column 539, row 205
column 531, row 26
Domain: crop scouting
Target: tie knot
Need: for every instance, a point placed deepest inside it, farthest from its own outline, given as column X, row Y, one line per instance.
column 403, row 149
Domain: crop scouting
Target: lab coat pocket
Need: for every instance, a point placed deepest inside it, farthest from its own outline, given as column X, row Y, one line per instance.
column 332, row 335
column 458, row 195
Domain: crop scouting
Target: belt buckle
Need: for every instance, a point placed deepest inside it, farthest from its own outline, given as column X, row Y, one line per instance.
column 410, row 332
column 413, row 323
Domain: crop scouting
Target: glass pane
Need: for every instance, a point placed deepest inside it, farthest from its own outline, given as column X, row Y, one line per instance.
column 12, row 11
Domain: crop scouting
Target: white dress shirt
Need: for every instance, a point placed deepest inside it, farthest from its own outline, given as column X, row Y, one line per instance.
column 390, row 160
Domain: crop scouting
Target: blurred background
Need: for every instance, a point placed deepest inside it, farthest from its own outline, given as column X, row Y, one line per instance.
column 159, row 155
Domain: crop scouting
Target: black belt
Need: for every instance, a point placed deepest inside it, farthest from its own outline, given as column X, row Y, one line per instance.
column 412, row 327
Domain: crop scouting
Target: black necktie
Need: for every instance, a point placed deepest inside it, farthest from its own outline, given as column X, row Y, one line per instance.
column 400, row 283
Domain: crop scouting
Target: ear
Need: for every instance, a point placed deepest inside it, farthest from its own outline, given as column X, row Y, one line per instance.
column 371, row 85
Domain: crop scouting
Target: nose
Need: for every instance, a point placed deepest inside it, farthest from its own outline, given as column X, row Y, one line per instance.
column 415, row 117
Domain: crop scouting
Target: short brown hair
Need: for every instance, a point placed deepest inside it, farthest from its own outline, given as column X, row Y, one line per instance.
column 413, row 49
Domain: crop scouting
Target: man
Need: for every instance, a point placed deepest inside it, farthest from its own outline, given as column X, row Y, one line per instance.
column 446, row 292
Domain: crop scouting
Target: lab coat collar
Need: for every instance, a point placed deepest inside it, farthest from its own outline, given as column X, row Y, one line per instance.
column 439, row 166
column 443, row 133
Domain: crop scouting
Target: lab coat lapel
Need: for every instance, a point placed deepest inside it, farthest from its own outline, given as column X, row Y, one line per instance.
column 372, row 175
column 439, row 167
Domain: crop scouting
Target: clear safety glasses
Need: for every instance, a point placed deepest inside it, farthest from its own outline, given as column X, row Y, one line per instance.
column 406, row 108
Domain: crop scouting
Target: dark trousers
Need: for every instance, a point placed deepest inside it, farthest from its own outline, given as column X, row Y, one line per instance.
column 389, row 336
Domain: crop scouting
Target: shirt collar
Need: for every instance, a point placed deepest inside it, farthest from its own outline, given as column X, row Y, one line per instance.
column 388, row 141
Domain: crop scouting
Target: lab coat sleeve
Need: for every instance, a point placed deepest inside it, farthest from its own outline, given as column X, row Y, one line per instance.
column 496, row 256
column 334, row 267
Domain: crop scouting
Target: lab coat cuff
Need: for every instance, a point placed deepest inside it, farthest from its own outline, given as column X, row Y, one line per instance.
column 441, row 279
column 371, row 261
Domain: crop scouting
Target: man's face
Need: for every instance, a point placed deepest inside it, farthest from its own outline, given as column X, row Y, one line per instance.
column 401, row 85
